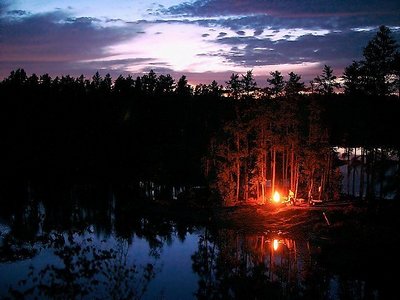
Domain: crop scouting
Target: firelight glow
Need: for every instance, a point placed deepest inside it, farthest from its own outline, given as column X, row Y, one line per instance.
column 276, row 197
column 202, row 39
column 275, row 244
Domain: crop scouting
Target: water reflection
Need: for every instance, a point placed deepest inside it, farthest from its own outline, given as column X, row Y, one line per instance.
column 234, row 265
column 85, row 241
column 81, row 268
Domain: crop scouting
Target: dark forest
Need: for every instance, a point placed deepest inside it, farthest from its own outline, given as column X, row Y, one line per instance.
column 242, row 139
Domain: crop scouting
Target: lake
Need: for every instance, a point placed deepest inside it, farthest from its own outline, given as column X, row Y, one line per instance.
column 81, row 242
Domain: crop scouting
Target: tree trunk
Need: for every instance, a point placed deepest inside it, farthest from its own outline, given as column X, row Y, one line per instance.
column 292, row 170
column 237, row 167
column 311, row 186
column 296, row 180
column 361, row 192
column 381, row 173
column 348, row 171
column 353, row 179
column 273, row 170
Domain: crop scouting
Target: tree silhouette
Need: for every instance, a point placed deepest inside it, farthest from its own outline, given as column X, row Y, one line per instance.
column 354, row 79
column 183, row 88
column 165, row 85
column 248, row 83
column 327, row 82
column 379, row 55
column 234, row 86
column 293, row 86
column 277, row 84
column 149, row 83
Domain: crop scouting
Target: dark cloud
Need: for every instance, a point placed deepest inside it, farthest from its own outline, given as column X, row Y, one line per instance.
column 18, row 13
column 332, row 49
column 338, row 47
column 258, row 32
column 287, row 8
column 83, row 20
column 113, row 20
column 4, row 7
column 261, row 22
column 55, row 38
column 258, row 15
column 45, row 36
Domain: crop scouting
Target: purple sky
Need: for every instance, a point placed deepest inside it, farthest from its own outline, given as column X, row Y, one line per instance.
column 204, row 40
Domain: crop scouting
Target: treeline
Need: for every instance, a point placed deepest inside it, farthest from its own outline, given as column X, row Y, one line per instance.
column 147, row 128
column 245, row 141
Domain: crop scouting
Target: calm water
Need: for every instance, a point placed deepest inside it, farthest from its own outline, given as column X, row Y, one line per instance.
column 90, row 243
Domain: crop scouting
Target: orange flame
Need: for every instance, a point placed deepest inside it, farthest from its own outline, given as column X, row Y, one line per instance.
column 275, row 245
column 276, row 197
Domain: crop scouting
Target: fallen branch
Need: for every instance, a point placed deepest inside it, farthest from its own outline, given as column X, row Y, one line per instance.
column 326, row 219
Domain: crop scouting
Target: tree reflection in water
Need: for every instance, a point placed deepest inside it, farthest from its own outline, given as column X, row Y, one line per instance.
column 234, row 265
column 70, row 222
column 86, row 270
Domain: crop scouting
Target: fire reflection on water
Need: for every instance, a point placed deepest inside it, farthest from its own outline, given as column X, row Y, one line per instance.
column 271, row 265
column 275, row 263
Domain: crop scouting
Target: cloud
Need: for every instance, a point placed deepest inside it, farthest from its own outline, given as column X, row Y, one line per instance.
column 306, row 54
column 182, row 47
column 17, row 12
column 332, row 49
column 286, row 8
column 272, row 33
column 198, row 37
column 56, row 37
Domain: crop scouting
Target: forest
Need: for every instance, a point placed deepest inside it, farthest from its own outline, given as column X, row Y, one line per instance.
column 243, row 140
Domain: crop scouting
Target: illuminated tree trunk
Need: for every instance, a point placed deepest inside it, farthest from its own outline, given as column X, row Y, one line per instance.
column 273, row 169
column 246, row 173
column 311, row 184
column 287, row 166
column 296, row 180
column 292, row 170
column 263, row 173
column 237, row 167
column 321, row 185
column 283, row 167
column 263, row 162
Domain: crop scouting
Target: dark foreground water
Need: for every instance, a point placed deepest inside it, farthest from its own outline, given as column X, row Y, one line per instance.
column 85, row 243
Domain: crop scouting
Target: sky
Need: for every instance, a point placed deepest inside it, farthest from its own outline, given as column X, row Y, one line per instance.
column 204, row 40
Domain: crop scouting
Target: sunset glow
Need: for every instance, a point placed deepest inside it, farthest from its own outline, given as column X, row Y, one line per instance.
column 204, row 40
column 175, row 46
